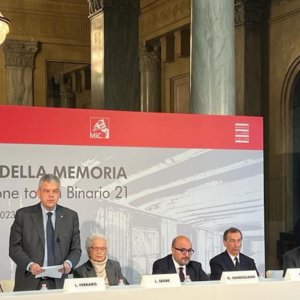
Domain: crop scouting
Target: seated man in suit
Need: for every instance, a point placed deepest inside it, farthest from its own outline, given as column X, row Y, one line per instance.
column 291, row 259
column 231, row 259
column 180, row 261
column 98, row 264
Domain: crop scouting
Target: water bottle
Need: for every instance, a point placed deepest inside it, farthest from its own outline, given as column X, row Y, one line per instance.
column 44, row 287
column 121, row 281
column 187, row 279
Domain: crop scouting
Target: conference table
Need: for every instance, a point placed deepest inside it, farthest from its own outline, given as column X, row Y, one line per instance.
column 211, row 290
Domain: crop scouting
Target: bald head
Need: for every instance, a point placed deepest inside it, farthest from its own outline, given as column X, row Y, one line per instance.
column 182, row 250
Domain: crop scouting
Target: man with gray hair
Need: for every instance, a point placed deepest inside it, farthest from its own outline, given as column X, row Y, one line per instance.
column 231, row 259
column 99, row 265
column 42, row 235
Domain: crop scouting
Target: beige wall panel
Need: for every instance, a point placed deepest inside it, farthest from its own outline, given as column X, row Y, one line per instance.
column 178, row 68
column 180, row 94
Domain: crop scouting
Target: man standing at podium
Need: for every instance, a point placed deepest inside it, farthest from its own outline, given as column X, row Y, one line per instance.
column 231, row 259
column 45, row 234
column 180, row 261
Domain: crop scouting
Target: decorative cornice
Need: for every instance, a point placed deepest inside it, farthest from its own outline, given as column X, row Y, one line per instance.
column 50, row 27
column 60, row 2
column 19, row 53
column 64, row 8
column 279, row 2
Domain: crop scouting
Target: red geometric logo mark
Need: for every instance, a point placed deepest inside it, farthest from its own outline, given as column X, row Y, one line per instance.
column 99, row 128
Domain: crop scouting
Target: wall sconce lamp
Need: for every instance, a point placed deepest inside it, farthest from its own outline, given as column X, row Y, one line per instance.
column 4, row 28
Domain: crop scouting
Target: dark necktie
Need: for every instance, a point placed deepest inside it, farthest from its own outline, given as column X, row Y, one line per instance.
column 237, row 264
column 50, row 240
column 181, row 274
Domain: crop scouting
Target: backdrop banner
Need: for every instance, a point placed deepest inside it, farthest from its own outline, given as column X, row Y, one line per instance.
column 139, row 178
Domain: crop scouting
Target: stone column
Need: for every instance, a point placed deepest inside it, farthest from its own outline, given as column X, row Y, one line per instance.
column 250, row 35
column 114, row 54
column 19, row 64
column 149, row 80
column 212, row 57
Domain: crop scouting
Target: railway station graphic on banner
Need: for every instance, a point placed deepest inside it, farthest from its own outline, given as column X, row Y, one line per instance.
column 139, row 178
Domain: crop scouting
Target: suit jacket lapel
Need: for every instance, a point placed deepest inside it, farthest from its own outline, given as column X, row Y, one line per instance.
column 109, row 272
column 242, row 263
column 171, row 266
column 190, row 271
column 59, row 219
column 37, row 218
column 228, row 261
column 90, row 271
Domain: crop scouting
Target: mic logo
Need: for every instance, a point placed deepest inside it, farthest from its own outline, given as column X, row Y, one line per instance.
column 99, row 128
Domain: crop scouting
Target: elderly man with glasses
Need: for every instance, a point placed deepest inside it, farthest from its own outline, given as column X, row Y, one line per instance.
column 180, row 262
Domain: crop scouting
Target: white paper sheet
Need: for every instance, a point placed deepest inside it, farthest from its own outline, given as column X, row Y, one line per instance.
column 51, row 271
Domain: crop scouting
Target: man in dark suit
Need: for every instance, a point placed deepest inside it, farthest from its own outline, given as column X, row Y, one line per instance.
column 32, row 247
column 291, row 259
column 180, row 262
column 99, row 265
column 231, row 259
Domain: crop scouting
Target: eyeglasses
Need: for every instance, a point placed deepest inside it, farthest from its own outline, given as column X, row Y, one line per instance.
column 97, row 249
column 184, row 251
column 48, row 192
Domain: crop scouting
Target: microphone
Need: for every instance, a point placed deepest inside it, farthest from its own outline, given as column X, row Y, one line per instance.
column 58, row 240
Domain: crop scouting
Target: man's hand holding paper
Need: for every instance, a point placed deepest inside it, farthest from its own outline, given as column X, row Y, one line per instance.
column 52, row 271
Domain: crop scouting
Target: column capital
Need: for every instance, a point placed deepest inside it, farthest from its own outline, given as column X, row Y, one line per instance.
column 119, row 5
column 149, row 59
column 249, row 12
column 19, row 53
column 95, row 6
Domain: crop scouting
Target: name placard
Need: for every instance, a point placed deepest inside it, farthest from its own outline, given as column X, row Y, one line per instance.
column 84, row 284
column 292, row 274
column 239, row 277
column 160, row 280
